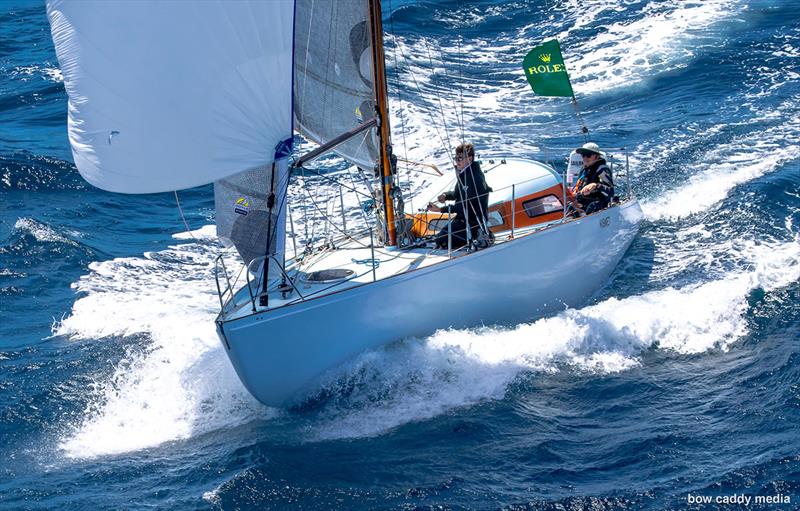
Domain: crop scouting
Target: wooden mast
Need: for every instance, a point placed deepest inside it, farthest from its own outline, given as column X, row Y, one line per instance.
column 384, row 133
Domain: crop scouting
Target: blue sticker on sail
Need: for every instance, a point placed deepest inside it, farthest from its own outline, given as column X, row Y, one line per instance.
column 242, row 206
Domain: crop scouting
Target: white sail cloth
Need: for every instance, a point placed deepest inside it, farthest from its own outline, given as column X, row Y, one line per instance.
column 168, row 95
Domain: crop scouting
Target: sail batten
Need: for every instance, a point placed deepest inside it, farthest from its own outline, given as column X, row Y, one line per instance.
column 171, row 95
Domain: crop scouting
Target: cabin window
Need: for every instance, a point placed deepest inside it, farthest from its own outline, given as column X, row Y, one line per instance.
column 495, row 218
column 542, row 206
column 438, row 224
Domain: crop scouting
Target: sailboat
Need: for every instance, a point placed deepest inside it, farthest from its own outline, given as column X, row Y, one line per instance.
column 170, row 95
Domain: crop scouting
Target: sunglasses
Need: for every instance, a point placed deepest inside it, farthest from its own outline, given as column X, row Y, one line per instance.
column 461, row 158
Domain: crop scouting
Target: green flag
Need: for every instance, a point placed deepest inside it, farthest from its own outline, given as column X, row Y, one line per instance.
column 544, row 67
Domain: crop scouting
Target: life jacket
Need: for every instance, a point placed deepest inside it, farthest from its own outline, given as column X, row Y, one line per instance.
column 591, row 175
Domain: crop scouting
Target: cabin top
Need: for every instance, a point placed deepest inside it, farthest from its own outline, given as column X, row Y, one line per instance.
column 526, row 176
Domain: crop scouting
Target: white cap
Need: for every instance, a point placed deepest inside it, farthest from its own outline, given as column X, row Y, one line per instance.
column 590, row 148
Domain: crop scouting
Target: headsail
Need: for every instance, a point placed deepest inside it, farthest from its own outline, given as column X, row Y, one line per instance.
column 243, row 213
column 170, row 95
column 333, row 86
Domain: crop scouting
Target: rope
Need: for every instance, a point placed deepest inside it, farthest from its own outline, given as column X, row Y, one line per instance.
column 399, row 90
column 461, row 94
column 427, row 110
column 439, row 98
column 185, row 223
column 584, row 129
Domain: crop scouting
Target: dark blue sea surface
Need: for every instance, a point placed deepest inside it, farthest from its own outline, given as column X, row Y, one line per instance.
column 680, row 379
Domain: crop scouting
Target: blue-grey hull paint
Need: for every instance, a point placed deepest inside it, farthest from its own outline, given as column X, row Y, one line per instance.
column 279, row 353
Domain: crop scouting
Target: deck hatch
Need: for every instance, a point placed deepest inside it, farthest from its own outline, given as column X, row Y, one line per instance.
column 328, row 275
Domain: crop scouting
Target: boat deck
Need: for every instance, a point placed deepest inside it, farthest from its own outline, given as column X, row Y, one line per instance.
column 362, row 263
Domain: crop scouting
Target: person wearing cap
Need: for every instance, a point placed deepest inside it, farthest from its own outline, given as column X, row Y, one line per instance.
column 595, row 187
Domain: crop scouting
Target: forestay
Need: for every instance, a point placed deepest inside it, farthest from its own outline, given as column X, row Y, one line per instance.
column 171, row 95
column 333, row 87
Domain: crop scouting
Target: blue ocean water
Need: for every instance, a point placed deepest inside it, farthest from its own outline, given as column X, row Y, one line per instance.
column 681, row 378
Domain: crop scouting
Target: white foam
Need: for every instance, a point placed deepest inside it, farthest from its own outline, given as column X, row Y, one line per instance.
column 207, row 232
column 212, row 496
column 720, row 169
column 42, row 232
column 438, row 78
column 440, row 88
column 417, row 380
column 52, row 74
column 175, row 384
column 181, row 384
column 664, row 39
column 714, row 182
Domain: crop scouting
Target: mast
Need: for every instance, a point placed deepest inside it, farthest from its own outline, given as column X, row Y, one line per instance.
column 382, row 113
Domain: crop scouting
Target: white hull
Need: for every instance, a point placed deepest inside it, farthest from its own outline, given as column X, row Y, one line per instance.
column 279, row 353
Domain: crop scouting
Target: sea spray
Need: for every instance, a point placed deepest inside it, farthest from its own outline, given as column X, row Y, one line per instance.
column 420, row 379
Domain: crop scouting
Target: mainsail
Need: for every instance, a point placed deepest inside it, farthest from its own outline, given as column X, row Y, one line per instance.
column 333, row 93
column 171, row 95
column 333, row 89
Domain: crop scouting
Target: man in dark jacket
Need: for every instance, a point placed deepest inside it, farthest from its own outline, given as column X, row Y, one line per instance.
column 471, row 200
column 595, row 187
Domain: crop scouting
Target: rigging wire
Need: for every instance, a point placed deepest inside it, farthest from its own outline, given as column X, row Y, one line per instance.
column 308, row 222
column 445, row 140
column 325, row 215
column 305, row 187
column 447, row 80
column 333, row 180
column 400, row 110
column 425, row 107
column 584, row 129
column 460, row 92
column 366, row 182
column 439, row 99
column 185, row 223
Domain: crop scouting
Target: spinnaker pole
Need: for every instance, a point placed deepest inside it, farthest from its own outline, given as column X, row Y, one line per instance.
column 382, row 113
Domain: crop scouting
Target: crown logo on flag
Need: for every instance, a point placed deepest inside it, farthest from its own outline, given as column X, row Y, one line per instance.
column 545, row 57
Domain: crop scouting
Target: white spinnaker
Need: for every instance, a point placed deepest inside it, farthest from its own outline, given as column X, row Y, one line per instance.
column 171, row 95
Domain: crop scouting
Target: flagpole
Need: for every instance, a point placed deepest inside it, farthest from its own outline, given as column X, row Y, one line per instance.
column 584, row 129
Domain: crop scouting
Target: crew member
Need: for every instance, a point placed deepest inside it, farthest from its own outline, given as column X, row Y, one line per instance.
column 471, row 200
column 595, row 187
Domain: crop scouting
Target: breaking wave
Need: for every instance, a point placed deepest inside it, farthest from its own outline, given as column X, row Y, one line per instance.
column 181, row 384
column 722, row 167
column 664, row 36
column 418, row 380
